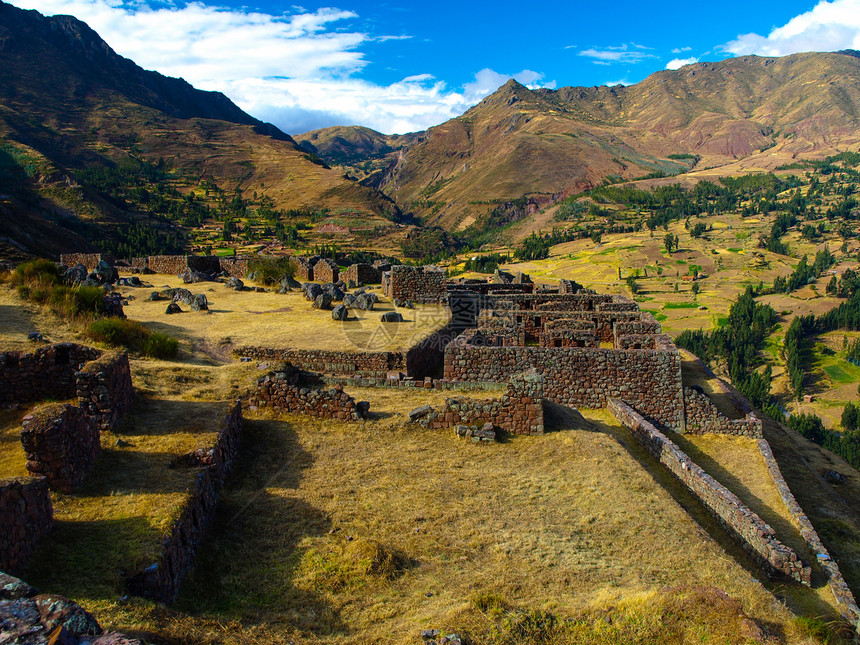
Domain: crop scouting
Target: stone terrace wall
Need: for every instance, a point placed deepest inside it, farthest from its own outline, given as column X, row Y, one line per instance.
column 47, row 373
column 589, row 377
column 283, row 391
column 752, row 532
column 560, row 302
column 326, row 271
column 162, row 579
column 89, row 260
column 362, row 274
column 702, row 417
column 104, row 388
column 329, row 362
column 519, row 410
column 417, row 284
column 62, row 443
column 167, row 264
column 635, row 341
column 26, row 516
column 645, row 324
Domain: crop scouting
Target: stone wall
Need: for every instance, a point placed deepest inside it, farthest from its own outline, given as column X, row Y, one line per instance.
column 62, row 444
column 162, row 579
column 589, row 377
column 26, row 516
column 89, row 260
column 841, row 592
column 428, row 356
column 362, row 274
column 47, row 373
column 417, row 284
column 636, row 341
column 753, row 533
column 645, row 324
column 304, row 269
column 519, row 410
column 236, row 267
column 702, row 417
column 284, row 391
column 329, row 362
column 104, row 388
column 326, row 271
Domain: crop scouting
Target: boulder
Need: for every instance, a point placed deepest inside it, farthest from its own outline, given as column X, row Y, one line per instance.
column 199, row 302
column 420, row 412
column 312, row 291
column 365, row 301
column 235, row 283
column 155, row 296
column 340, row 312
column 349, row 300
column 181, row 295
column 391, row 316
column 75, row 275
column 190, row 276
column 12, row 588
column 335, row 293
column 105, row 272
column 362, row 408
column 351, row 284
column 322, row 301
column 173, row 308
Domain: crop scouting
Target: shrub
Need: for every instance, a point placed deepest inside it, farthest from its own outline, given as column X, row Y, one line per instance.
column 119, row 332
column 271, row 270
column 39, row 272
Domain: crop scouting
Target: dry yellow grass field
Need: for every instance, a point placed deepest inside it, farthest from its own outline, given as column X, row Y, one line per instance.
column 271, row 319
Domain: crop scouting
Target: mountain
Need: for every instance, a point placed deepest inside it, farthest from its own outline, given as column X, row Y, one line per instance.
column 345, row 145
column 69, row 103
column 520, row 149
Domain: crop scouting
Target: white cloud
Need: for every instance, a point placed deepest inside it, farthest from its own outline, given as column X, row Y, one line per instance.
column 681, row 50
column 828, row 26
column 622, row 81
column 675, row 63
column 617, row 54
column 299, row 70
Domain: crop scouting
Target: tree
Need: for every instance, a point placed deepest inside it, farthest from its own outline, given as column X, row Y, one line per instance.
column 631, row 284
column 596, row 236
column 671, row 242
column 850, row 417
column 696, row 289
column 699, row 229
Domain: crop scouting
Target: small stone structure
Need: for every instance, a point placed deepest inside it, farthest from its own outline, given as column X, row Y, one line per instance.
column 104, row 388
column 62, row 444
column 26, row 516
column 285, row 391
column 47, row 373
column 304, row 268
column 417, row 284
column 362, row 274
column 162, row 579
column 326, row 271
column 702, row 416
column 519, row 410
column 751, row 532
column 234, row 266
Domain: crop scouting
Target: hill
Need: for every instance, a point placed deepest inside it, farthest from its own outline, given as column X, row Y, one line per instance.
column 69, row 103
column 519, row 149
column 345, row 145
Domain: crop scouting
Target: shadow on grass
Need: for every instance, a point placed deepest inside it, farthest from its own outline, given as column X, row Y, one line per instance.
column 245, row 570
column 693, row 375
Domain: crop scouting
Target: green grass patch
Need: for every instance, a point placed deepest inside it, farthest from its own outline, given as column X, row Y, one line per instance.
column 842, row 373
column 680, row 305
column 120, row 332
column 680, row 262
column 734, row 249
column 658, row 316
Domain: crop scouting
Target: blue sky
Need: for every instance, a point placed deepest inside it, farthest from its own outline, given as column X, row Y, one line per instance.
column 399, row 67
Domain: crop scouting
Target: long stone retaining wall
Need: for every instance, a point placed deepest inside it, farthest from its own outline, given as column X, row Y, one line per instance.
column 47, row 373
column 751, row 532
column 702, row 417
column 519, row 410
column 329, row 362
column 62, row 444
column 589, row 377
column 26, row 516
column 89, row 260
column 162, row 579
column 841, row 592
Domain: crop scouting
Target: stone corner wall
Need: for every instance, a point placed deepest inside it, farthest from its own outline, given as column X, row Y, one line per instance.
column 702, row 416
column 326, row 271
column 518, row 411
column 162, row 579
column 89, row 260
column 47, row 373
column 104, row 388
column 26, row 516
column 747, row 528
column 362, row 273
column 62, row 443
column 283, row 391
